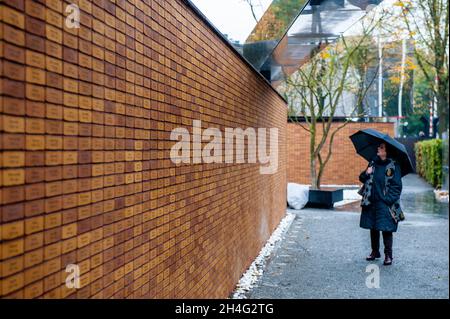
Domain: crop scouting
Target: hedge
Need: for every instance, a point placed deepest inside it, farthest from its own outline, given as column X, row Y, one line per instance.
column 429, row 161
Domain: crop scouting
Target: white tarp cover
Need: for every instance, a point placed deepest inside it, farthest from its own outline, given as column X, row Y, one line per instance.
column 297, row 195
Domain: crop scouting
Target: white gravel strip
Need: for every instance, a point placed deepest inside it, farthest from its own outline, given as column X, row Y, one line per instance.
column 256, row 269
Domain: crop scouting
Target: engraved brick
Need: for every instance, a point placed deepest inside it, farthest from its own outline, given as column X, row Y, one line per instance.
column 54, row 127
column 33, row 257
column 34, row 42
column 13, row 71
column 33, row 225
column 69, row 231
column 34, row 175
column 35, row 26
column 13, row 88
column 35, row 158
column 34, row 241
column 69, row 186
column 54, row 18
column 35, row 9
column 12, row 248
column 13, row 141
column 53, row 34
column 33, row 208
column 11, row 266
column 52, row 236
column 34, row 191
column 70, row 157
column 13, row 17
column 35, row 92
column 13, row 177
column 14, row 53
column 53, row 204
column 53, row 189
column 13, row 35
column 13, row 124
column 35, row 59
column 35, row 142
column 70, row 143
column 34, row 290
column 13, row 159
column 53, row 220
column 53, row 158
column 12, row 230
column 13, row 106
column 54, row 80
column 33, row 274
column 35, row 75
column 53, row 49
column 70, row 70
column 69, row 245
column 70, row 171
column 35, row 126
column 54, row 65
column 53, row 142
column 12, row 283
column 35, row 109
column 52, row 251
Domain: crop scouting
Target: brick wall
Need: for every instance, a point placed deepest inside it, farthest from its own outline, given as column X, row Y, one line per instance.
column 86, row 178
column 344, row 165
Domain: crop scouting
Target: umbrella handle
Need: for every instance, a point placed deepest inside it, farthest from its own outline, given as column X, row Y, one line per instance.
column 371, row 164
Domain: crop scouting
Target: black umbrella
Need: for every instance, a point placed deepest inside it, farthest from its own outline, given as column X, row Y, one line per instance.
column 366, row 143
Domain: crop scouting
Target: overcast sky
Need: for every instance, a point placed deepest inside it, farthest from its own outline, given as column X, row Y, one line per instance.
column 232, row 17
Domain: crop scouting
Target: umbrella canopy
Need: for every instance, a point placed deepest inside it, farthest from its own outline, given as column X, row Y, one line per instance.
column 366, row 143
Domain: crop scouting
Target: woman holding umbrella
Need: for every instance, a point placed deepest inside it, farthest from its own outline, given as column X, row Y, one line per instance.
column 375, row 213
column 381, row 212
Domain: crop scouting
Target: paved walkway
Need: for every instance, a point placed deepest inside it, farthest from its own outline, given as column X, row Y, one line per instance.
column 323, row 254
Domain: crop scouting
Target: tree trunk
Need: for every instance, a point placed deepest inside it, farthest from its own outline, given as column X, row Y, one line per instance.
column 313, row 172
column 312, row 167
column 442, row 105
column 319, row 177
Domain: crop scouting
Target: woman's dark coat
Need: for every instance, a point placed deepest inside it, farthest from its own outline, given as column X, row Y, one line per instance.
column 377, row 215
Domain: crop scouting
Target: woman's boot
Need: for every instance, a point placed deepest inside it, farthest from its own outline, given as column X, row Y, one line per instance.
column 387, row 239
column 373, row 255
column 375, row 243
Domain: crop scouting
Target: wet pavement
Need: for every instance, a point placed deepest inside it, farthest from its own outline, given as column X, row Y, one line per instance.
column 323, row 253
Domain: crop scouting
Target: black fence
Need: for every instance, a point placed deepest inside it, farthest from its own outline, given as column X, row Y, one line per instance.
column 409, row 144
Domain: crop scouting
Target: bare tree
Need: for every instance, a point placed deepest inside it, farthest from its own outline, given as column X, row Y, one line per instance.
column 315, row 90
column 252, row 9
column 364, row 60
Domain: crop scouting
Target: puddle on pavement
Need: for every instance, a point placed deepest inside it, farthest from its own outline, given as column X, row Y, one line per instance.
column 417, row 202
column 424, row 203
column 420, row 224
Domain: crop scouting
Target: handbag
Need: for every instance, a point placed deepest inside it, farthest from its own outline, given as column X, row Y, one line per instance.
column 397, row 212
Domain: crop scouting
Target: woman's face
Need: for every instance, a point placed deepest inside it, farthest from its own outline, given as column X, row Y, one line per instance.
column 381, row 151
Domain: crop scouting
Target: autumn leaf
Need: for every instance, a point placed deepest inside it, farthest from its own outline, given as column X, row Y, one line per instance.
column 325, row 55
column 395, row 79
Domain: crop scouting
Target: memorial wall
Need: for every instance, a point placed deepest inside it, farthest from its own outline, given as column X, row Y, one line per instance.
column 87, row 185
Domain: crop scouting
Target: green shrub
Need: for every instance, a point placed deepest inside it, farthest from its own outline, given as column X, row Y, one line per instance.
column 429, row 161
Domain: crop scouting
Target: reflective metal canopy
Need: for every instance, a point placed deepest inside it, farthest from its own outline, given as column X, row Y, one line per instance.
column 289, row 29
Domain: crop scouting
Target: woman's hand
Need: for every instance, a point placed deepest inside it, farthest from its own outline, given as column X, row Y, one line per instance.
column 369, row 170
